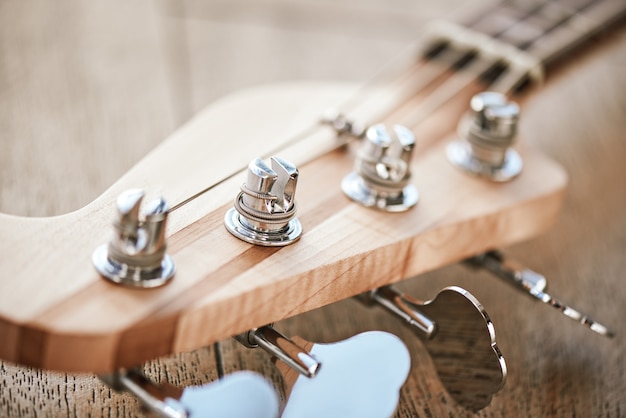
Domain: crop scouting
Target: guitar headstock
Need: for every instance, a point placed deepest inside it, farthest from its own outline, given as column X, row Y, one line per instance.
column 74, row 320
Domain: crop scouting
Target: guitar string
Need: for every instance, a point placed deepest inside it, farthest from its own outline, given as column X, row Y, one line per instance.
column 412, row 77
column 343, row 140
column 303, row 135
column 506, row 86
column 381, row 75
column 447, row 91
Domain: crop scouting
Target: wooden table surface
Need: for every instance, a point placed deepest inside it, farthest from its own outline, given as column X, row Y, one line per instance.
column 88, row 88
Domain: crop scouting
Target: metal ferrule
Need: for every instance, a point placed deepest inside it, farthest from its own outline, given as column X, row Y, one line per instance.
column 264, row 212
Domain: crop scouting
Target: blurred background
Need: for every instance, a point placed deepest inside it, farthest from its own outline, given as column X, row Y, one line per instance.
column 89, row 88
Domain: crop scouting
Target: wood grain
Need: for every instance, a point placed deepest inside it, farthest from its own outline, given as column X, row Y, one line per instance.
column 556, row 368
column 345, row 249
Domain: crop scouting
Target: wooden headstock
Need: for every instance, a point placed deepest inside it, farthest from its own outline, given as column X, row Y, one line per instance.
column 61, row 315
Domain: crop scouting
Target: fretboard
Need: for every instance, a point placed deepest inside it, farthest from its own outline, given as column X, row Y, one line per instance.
column 523, row 37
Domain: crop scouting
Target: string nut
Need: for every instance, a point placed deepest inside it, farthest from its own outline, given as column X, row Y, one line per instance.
column 265, row 209
column 136, row 257
column 382, row 171
column 487, row 133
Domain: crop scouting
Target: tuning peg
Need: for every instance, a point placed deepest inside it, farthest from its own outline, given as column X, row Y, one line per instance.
column 362, row 377
column 136, row 255
column 281, row 347
column 459, row 336
column 238, row 395
column 486, row 134
column 382, row 170
column 265, row 209
column 533, row 284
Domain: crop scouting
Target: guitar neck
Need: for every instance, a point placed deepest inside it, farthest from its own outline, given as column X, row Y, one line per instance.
column 523, row 38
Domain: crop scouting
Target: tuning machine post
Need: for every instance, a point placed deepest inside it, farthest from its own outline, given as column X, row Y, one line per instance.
column 459, row 337
column 382, row 170
column 136, row 256
column 281, row 347
column 486, row 134
column 533, row 284
column 265, row 209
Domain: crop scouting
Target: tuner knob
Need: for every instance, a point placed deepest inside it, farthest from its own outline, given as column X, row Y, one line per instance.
column 382, row 170
column 136, row 255
column 265, row 209
column 487, row 133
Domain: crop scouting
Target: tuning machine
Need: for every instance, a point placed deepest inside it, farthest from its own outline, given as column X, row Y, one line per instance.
column 382, row 170
column 136, row 257
column 533, row 284
column 459, row 337
column 265, row 209
column 238, row 395
column 486, row 135
column 281, row 347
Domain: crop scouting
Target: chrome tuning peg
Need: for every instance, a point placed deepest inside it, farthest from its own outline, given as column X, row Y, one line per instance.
column 382, row 170
column 238, row 395
column 533, row 284
column 136, row 255
column 265, row 209
column 486, row 135
column 281, row 347
column 459, row 337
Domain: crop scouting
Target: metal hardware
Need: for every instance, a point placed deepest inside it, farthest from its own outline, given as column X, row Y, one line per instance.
column 342, row 125
column 136, row 256
column 403, row 306
column 237, row 395
column 459, row 336
column 534, row 284
column 281, row 347
column 487, row 132
column 382, row 171
column 265, row 209
column 160, row 400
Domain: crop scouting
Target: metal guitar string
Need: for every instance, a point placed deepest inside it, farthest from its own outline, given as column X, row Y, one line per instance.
column 434, row 104
column 442, row 94
column 348, row 104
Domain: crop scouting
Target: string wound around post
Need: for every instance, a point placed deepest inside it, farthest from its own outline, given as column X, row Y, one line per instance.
column 486, row 134
column 136, row 257
column 264, row 211
column 382, row 170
